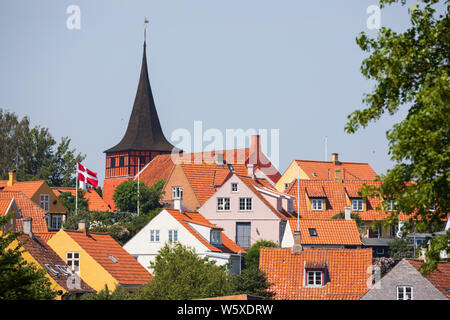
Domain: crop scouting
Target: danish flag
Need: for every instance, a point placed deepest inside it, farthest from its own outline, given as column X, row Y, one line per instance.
column 86, row 175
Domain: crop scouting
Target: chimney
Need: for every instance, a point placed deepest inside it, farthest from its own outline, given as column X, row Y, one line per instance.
column 255, row 149
column 177, row 205
column 82, row 226
column 348, row 213
column 218, row 157
column 28, row 226
column 338, row 175
column 251, row 170
column 335, row 159
column 297, row 247
column 12, row 178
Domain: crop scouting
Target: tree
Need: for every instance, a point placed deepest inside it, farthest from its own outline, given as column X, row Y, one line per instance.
column 252, row 256
column 20, row 280
column 33, row 152
column 410, row 70
column 119, row 293
column 179, row 273
column 126, row 196
column 253, row 281
column 68, row 200
column 400, row 248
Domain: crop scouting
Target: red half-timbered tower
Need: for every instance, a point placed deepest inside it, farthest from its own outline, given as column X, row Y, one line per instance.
column 142, row 141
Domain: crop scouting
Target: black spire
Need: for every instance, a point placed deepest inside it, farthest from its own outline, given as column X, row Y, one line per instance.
column 144, row 130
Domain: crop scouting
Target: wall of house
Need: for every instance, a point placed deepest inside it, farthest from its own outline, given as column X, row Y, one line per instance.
column 403, row 274
column 55, row 205
column 178, row 178
column 290, row 175
column 264, row 223
column 90, row 270
column 145, row 251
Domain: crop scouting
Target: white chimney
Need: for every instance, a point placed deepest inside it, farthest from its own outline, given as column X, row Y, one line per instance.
column 348, row 213
column 82, row 226
column 297, row 247
column 28, row 226
column 218, row 157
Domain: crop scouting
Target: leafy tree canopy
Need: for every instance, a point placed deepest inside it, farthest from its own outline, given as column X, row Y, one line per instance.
column 252, row 256
column 34, row 153
column 410, row 70
column 126, row 196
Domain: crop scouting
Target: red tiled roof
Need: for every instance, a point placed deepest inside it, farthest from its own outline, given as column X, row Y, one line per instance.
column 440, row 277
column 29, row 188
column 45, row 235
column 159, row 168
column 329, row 232
column 95, row 202
column 349, row 170
column 28, row 209
column 348, row 272
column 100, row 245
column 228, row 246
column 336, row 198
column 4, row 205
column 43, row 254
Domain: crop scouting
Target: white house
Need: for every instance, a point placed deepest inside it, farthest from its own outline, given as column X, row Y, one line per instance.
column 190, row 229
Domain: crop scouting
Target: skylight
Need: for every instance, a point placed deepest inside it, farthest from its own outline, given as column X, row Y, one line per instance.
column 113, row 259
column 312, row 232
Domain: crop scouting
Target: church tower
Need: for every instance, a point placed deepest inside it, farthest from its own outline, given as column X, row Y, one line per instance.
column 143, row 139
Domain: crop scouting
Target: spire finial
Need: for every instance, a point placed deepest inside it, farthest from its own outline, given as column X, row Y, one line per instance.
column 145, row 29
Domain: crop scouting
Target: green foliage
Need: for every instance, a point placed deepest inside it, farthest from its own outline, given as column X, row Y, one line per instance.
column 20, row 280
column 126, row 196
column 354, row 216
column 179, row 273
column 34, row 153
column 68, row 200
column 411, row 69
column 400, row 248
column 252, row 256
column 118, row 293
column 252, row 281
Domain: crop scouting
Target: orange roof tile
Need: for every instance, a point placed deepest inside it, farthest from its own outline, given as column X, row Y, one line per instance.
column 100, row 245
column 29, row 188
column 4, row 205
column 326, row 169
column 159, row 168
column 95, row 202
column 348, row 272
column 440, row 277
column 335, row 198
column 45, row 235
column 329, row 232
column 45, row 255
column 28, row 209
column 228, row 246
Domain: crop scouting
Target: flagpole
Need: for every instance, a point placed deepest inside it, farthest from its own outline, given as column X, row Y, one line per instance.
column 298, row 199
column 139, row 169
column 76, row 191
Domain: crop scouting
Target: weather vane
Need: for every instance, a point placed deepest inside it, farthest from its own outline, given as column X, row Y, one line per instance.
column 145, row 29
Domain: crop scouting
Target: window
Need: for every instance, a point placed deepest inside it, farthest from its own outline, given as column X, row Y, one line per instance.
column 391, row 205
column 404, row 293
column 286, row 185
column 234, row 187
column 113, row 162
column 64, row 270
column 380, row 251
column 55, row 272
column 56, row 222
column 357, row 205
column 317, row 204
column 121, row 161
column 216, row 237
column 377, row 233
column 245, row 204
column 73, row 260
column 173, row 235
column 432, row 207
column 177, row 193
column 312, row 232
column 314, row 278
column 113, row 259
column 154, row 235
column 45, row 202
column 223, row 204
column 243, row 231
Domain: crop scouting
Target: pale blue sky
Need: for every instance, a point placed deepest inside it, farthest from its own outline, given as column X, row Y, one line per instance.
column 272, row 64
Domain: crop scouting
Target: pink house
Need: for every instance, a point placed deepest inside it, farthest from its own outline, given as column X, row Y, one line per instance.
column 249, row 209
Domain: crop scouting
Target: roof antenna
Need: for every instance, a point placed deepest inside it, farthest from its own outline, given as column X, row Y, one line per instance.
column 326, row 147
column 145, row 29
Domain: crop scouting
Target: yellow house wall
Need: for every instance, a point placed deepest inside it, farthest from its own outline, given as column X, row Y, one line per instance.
column 290, row 175
column 90, row 270
column 54, row 208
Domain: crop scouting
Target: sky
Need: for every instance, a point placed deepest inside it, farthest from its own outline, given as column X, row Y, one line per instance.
column 264, row 64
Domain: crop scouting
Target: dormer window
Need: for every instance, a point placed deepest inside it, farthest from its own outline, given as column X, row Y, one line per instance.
column 317, row 204
column 216, row 237
column 357, row 204
column 234, row 187
column 314, row 278
column 177, row 193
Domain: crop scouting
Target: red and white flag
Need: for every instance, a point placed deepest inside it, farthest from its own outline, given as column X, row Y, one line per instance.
column 86, row 175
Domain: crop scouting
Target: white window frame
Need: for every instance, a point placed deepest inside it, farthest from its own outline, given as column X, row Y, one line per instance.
column 44, row 202
column 315, row 273
column 71, row 259
column 173, row 235
column 358, row 203
column 315, row 206
column 247, row 203
column 177, row 193
column 391, row 205
column 59, row 219
column 223, row 204
column 154, row 235
column 402, row 290
column 234, row 187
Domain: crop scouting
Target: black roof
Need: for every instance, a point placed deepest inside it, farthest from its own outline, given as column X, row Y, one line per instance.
column 144, row 131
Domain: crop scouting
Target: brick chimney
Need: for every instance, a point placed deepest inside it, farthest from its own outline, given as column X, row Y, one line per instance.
column 297, row 247
column 82, row 226
column 12, row 178
column 338, row 175
column 28, row 226
column 335, row 159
